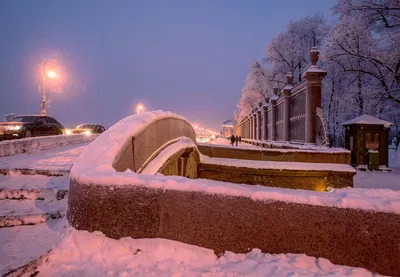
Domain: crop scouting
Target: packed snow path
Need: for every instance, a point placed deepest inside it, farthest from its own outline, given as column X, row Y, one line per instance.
column 225, row 142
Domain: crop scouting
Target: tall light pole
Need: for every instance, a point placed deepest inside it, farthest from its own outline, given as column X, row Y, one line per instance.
column 139, row 107
column 52, row 74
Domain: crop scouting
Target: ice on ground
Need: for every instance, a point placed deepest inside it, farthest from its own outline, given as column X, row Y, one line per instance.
column 81, row 253
column 61, row 158
column 22, row 244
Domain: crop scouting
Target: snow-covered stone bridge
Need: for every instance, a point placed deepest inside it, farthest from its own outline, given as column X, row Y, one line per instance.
column 115, row 189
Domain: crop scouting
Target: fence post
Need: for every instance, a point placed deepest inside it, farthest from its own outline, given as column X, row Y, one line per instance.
column 313, row 77
column 264, row 114
column 286, row 106
column 255, row 123
column 258, row 113
column 251, row 126
column 273, row 119
column 247, row 127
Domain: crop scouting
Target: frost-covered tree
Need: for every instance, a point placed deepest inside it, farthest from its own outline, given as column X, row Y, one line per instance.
column 378, row 25
column 288, row 51
column 362, row 57
column 257, row 89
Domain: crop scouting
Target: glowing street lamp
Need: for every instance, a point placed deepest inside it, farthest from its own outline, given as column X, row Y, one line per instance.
column 139, row 107
column 51, row 74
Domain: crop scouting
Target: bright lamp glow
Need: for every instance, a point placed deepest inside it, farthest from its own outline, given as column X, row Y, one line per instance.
column 52, row 74
column 139, row 107
column 87, row 133
column 15, row 128
column 68, row 132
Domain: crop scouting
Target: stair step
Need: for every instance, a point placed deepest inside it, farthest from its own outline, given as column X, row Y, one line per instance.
column 29, row 212
column 30, row 171
column 21, row 245
column 36, row 187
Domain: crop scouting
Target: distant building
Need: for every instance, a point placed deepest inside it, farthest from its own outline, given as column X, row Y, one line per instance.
column 227, row 127
column 9, row 116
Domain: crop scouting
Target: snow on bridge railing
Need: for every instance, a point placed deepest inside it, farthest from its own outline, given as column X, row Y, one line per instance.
column 132, row 141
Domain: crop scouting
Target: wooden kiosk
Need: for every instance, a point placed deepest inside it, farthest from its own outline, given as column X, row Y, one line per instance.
column 367, row 138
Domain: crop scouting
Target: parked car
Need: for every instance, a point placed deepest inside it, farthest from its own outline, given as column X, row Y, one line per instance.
column 25, row 126
column 86, row 129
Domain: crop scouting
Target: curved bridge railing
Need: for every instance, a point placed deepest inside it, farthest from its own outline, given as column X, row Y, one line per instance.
column 137, row 150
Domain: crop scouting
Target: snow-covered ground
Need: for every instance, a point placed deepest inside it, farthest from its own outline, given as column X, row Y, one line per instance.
column 225, row 142
column 61, row 158
column 81, row 253
column 378, row 179
column 23, row 244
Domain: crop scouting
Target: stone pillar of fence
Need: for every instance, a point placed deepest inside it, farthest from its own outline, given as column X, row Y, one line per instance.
column 247, row 127
column 244, row 129
column 251, row 126
column 255, row 123
column 313, row 77
column 259, row 123
column 273, row 119
column 286, row 91
column 264, row 115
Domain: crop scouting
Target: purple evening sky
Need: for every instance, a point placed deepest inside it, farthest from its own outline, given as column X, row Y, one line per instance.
column 189, row 57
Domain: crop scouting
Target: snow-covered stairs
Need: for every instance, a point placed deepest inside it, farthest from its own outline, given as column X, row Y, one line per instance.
column 31, row 199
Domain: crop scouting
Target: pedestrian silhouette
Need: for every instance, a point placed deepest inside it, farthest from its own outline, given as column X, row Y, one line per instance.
column 232, row 140
column 236, row 140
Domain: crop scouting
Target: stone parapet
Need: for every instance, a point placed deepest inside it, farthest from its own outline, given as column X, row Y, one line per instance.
column 222, row 222
column 279, row 155
column 317, row 180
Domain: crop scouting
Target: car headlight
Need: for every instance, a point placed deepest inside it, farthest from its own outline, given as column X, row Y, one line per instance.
column 87, row 133
column 68, row 132
column 15, row 128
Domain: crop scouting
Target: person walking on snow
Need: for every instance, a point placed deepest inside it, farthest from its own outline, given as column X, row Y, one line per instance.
column 236, row 140
column 232, row 140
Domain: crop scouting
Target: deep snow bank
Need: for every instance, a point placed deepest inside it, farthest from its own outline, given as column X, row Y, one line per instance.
column 93, row 254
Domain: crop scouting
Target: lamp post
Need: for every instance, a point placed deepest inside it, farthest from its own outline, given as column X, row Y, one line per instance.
column 51, row 74
column 139, row 107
